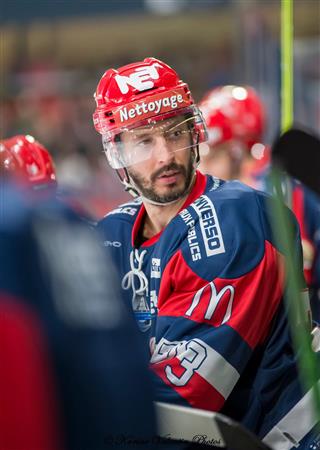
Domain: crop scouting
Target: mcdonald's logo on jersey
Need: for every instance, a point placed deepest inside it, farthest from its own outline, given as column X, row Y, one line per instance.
column 211, row 305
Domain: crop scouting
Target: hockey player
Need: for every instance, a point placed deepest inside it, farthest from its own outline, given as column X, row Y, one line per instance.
column 235, row 118
column 73, row 365
column 198, row 261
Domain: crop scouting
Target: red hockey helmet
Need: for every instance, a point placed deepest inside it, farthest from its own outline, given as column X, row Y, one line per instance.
column 141, row 94
column 233, row 113
column 29, row 161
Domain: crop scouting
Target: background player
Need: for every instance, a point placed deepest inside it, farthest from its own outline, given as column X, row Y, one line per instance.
column 235, row 117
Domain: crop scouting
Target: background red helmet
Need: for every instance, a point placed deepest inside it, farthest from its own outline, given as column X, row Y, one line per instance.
column 139, row 94
column 28, row 161
column 233, row 113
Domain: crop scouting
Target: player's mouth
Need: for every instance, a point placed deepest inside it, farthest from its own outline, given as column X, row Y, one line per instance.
column 169, row 177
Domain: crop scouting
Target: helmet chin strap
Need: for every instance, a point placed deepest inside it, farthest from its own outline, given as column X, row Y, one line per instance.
column 133, row 190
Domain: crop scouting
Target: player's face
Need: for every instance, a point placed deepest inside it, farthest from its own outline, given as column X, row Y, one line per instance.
column 167, row 173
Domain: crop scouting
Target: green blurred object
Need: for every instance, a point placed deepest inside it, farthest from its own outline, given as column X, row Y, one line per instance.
column 286, row 64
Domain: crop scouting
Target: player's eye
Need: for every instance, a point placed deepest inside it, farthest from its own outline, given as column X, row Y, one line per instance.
column 143, row 144
column 174, row 134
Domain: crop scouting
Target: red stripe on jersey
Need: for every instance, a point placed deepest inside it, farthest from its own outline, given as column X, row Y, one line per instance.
column 28, row 413
column 298, row 209
column 197, row 391
column 252, row 299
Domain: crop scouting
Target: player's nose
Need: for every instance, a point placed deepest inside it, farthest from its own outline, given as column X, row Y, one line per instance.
column 163, row 151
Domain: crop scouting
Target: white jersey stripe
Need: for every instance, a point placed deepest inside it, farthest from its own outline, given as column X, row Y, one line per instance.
column 217, row 371
column 292, row 428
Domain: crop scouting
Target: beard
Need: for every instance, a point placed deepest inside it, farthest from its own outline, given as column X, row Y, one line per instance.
column 148, row 190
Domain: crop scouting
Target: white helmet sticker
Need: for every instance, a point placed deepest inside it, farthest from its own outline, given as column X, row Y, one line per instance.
column 140, row 79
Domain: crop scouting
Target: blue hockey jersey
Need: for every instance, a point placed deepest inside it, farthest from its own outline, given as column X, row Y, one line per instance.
column 67, row 338
column 208, row 292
